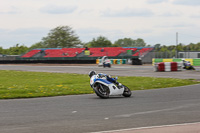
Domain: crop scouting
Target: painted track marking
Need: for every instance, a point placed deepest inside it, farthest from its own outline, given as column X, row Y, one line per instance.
column 150, row 127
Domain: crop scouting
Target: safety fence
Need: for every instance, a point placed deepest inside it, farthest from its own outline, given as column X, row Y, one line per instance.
column 194, row 62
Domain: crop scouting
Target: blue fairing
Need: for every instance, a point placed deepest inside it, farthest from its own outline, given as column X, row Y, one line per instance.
column 103, row 80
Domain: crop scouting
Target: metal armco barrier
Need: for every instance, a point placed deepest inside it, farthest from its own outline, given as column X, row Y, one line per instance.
column 167, row 66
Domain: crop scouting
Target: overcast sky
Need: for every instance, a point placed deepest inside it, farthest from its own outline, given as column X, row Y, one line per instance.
column 25, row 22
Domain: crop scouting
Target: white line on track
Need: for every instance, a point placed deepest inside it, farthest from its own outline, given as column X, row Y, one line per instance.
column 150, row 127
column 149, row 112
column 156, row 111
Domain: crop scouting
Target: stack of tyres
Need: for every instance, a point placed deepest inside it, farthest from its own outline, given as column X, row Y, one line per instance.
column 174, row 66
column 119, row 61
column 180, row 65
column 161, row 66
column 115, row 61
column 168, row 66
column 123, row 61
column 111, row 61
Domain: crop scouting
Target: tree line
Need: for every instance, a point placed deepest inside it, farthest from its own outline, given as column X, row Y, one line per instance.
column 65, row 37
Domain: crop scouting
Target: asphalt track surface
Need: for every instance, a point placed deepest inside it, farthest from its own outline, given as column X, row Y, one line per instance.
column 118, row 70
column 88, row 113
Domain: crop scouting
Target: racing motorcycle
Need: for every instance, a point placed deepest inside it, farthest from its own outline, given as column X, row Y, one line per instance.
column 187, row 65
column 104, row 88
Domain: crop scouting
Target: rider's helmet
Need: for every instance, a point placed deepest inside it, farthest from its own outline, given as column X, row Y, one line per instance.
column 91, row 73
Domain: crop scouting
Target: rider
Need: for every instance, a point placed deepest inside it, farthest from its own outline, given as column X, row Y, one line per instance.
column 108, row 77
column 186, row 64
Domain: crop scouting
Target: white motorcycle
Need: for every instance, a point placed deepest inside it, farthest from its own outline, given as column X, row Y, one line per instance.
column 104, row 88
column 105, row 62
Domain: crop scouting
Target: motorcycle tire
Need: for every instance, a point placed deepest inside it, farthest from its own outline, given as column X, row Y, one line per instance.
column 127, row 92
column 102, row 91
column 192, row 68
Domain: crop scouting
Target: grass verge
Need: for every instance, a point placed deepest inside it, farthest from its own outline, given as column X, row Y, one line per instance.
column 20, row 84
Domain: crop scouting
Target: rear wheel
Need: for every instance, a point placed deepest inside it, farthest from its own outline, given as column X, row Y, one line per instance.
column 192, row 68
column 127, row 92
column 102, row 91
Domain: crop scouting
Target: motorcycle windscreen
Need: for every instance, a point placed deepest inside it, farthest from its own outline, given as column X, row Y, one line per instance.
column 105, row 82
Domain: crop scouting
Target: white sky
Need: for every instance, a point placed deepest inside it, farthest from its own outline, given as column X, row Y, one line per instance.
column 156, row 21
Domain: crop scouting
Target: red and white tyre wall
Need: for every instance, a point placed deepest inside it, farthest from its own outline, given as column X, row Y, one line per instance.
column 168, row 66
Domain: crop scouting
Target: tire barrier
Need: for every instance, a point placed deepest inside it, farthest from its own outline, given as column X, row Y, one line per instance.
column 167, row 66
column 114, row 61
column 194, row 62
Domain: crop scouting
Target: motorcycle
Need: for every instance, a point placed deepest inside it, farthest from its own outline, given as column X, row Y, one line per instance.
column 188, row 66
column 104, row 88
column 105, row 62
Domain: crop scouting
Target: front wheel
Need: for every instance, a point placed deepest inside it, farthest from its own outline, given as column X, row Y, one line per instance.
column 102, row 91
column 127, row 92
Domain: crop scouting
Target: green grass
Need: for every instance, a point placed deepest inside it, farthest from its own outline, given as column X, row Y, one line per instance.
column 20, row 84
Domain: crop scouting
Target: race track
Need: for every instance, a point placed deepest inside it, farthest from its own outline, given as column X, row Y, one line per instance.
column 118, row 70
column 88, row 113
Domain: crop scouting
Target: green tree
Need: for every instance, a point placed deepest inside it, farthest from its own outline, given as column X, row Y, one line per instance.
column 16, row 50
column 128, row 42
column 198, row 46
column 140, row 43
column 163, row 48
column 1, row 50
column 157, row 47
column 37, row 45
column 61, row 36
column 115, row 45
column 179, row 47
column 100, row 42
